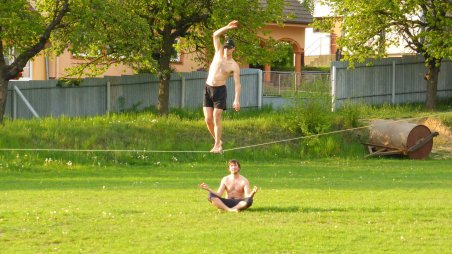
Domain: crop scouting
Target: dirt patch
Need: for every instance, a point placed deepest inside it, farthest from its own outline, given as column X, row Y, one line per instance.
column 442, row 144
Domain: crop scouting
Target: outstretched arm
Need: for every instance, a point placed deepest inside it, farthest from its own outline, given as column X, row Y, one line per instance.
column 220, row 191
column 237, row 86
column 216, row 35
column 248, row 192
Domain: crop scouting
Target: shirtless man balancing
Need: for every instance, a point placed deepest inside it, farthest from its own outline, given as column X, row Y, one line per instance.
column 221, row 68
column 239, row 196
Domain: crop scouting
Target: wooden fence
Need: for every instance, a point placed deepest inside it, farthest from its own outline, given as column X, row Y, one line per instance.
column 97, row 96
column 390, row 80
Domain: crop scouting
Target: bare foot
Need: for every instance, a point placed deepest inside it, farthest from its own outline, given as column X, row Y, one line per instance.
column 217, row 150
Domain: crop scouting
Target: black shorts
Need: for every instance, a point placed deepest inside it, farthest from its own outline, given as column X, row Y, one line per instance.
column 215, row 97
column 232, row 202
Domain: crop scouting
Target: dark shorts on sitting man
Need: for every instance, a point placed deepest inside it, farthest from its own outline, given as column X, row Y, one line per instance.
column 229, row 202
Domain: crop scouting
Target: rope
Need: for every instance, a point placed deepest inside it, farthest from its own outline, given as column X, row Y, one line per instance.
column 99, row 150
column 326, row 133
column 225, row 150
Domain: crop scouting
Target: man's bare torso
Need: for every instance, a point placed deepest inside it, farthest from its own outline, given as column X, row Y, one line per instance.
column 235, row 188
column 220, row 69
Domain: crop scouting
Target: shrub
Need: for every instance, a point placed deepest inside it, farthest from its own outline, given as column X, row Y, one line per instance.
column 311, row 116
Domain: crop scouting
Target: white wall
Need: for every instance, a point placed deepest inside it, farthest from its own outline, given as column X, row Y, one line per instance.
column 319, row 43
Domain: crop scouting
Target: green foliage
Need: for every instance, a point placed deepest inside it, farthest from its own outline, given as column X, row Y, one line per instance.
column 69, row 82
column 285, row 60
column 252, row 16
column 350, row 115
column 424, row 25
column 312, row 116
column 20, row 27
column 326, row 69
column 253, row 135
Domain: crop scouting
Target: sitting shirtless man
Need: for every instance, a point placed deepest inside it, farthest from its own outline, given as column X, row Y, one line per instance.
column 221, row 68
column 239, row 196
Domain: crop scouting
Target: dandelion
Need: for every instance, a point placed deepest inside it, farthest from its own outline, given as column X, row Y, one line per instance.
column 48, row 161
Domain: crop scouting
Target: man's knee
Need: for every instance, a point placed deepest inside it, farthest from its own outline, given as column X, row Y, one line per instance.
column 208, row 119
column 217, row 117
column 247, row 202
column 212, row 197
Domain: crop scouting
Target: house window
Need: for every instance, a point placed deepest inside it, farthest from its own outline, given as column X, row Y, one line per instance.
column 176, row 56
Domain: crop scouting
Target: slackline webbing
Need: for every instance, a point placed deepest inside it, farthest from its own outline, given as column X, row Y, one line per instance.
column 225, row 150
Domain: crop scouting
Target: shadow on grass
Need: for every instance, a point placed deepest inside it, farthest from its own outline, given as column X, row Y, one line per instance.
column 322, row 210
column 276, row 209
column 293, row 209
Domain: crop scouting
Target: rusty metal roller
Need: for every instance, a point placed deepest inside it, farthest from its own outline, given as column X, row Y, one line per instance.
column 388, row 137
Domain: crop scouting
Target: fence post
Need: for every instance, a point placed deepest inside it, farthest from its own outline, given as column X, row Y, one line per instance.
column 259, row 89
column 14, row 104
column 333, row 88
column 108, row 97
column 182, row 94
column 393, row 82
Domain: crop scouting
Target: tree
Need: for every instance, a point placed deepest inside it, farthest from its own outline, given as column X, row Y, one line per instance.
column 424, row 25
column 140, row 33
column 194, row 22
column 166, row 21
column 28, row 28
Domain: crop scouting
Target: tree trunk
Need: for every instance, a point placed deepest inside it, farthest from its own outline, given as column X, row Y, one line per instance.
column 432, row 84
column 163, row 99
column 165, row 71
column 3, row 95
column 164, row 76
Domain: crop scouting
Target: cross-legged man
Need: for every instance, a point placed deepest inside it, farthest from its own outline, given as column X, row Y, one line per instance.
column 238, row 194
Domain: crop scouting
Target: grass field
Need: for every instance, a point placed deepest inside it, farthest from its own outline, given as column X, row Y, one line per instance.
column 318, row 195
column 316, row 206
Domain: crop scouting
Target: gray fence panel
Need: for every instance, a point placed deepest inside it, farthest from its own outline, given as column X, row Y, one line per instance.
column 126, row 92
column 374, row 84
column 249, row 95
column 194, row 89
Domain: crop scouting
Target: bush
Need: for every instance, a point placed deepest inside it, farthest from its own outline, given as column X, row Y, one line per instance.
column 311, row 116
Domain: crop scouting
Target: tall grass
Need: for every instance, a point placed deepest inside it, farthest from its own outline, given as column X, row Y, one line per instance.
column 245, row 132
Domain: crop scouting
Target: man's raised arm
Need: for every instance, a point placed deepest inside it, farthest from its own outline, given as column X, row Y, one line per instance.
column 216, row 35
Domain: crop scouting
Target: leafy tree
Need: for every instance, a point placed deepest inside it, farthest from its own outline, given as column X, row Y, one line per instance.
column 194, row 21
column 167, row 21
column 28, row 28
column 424, row 25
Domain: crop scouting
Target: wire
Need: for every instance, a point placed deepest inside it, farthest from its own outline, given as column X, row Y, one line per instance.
column 98, row 150
column 326, row 133
column 225, row 150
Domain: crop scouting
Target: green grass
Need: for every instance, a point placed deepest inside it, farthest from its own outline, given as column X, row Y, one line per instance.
column 318, row 195
column 321, row 206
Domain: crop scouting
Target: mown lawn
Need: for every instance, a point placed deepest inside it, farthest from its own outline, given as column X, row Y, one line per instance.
column 320, row 206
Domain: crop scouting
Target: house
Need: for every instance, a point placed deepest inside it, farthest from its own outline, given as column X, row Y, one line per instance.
column 293, row 32
column 321, row 47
